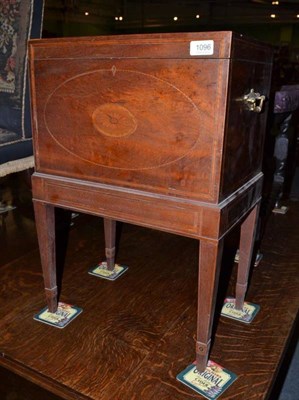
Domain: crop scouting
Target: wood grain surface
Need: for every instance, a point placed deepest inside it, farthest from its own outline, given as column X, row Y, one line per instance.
column 151, row 116
column 136, row 334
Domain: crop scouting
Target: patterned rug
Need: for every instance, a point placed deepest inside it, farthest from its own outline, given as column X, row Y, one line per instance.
column 19, row 21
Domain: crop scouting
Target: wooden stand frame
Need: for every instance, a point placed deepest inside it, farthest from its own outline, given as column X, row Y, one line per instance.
column 213, row 219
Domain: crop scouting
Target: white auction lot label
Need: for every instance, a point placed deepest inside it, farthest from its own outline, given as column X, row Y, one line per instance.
column 201, row 47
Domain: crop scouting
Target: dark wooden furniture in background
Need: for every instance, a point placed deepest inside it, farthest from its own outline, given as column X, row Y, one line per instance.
column 139, row 129
column 286, row 106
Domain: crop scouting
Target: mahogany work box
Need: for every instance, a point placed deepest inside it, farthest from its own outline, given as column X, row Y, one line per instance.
column 160, row 130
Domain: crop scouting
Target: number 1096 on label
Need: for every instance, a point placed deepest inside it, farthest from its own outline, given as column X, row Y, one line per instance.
column 202, row 47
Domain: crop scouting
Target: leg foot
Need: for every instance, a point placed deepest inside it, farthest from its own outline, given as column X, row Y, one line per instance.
column 202, row 355
column 51, row 297
column 110, row 231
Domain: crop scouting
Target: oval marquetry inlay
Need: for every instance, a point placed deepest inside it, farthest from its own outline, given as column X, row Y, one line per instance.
column 123, row 119
column 113, row 120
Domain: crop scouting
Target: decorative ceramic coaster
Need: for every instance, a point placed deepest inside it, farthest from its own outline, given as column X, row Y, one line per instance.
column 101, row 271
column 280, row 210
column 73, row 216
column 5, row 208
column 246, row 315
column 258, row 258
column 237, row 256
column 62, row 317
column 210, row 383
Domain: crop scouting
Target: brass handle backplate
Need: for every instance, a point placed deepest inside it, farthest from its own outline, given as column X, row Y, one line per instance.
column 254, row 101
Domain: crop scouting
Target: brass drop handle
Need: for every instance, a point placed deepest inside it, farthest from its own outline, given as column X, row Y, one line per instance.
column 254, row 101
